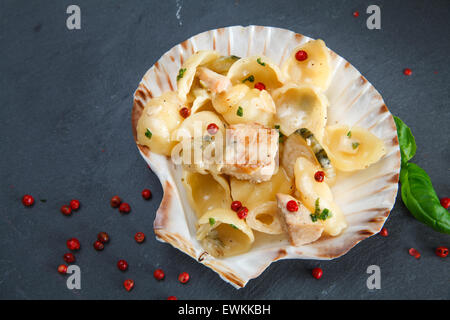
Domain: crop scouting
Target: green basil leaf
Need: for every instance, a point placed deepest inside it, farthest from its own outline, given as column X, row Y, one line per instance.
column 406, row 140
column 419, row 197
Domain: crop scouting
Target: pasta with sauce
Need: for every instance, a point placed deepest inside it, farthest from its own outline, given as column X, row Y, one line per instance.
column 267, row 156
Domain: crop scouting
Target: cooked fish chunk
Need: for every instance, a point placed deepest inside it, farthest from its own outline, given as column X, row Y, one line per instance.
column 251, row 152
column 298, row 224
column 213, row 81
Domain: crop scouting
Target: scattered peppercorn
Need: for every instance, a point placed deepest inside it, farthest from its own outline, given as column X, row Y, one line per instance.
column 115, row 201
column 158, row 274
column 260, row 86
column 319, row 176
column 69, row 257
column 139, row 237
column 317, row 273
column 73, row 244
column 75, row 205
column 27, row 200
column 128, row 284
column 212, row 128
column 356, row 14
column 172, row 298
column 183, row 277
column 242, row 213
column 62, row 269
column 66, row 210
column 99, row 246
column 384, row 232
column 236, row 205
column 301, row 55
column 124, row 207
column 407, row 72
column 185, row 112
column 146, row 194
column 292, row 206
column 122, row 265
column 413, row 252
column 103, row 237
column 442, row 252
column 445, row 202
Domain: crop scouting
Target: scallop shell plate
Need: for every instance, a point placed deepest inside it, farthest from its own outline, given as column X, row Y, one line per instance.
column 365, row 197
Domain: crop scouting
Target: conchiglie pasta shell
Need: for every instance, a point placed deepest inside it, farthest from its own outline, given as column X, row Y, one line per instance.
column 184, row 83
column 351, row 149
column 301, row 107
column 223, row 233
column 161, row 117
column 315, row 70
column 206, row 192
column 365, row 197
column 310, row 190
column 255, row 105
column 261, row 68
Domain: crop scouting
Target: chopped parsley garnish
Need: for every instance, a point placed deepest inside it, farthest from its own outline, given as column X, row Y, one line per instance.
column 250, row 78
column 349, row 134
column 240, row 111
column 148, row 134
column 235, row 57
column 233, row 226
column 260, row 62
column 181, row 73
column 324, row 214
column 355, row 145
column 318, row 215
column 212, row 221
column 317, row 206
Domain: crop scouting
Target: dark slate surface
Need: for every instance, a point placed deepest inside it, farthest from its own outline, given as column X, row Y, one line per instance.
column 65, row 101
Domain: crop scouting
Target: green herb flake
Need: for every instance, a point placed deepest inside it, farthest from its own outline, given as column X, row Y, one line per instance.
column 260, row 62
column 250, row 78
column 43, row 200
column 349, row 134
column 355, row 145
column 212, row 221
column 148, row 134
column 325, row 214
column 317, row 206
column 318, row 215
column 240, row 111
column 233, row 226
column 181, row 73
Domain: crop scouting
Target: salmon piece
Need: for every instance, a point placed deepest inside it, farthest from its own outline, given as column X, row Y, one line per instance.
column 212, row 80
column 298, row 225
column 251, row 152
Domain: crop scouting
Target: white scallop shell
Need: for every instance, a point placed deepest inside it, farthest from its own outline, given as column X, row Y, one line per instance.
column 366, row 197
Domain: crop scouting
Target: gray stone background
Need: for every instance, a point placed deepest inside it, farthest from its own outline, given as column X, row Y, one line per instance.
column 65, row 101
